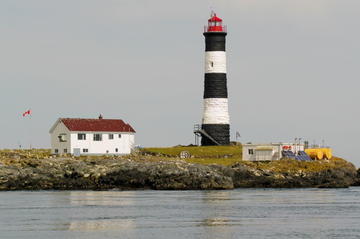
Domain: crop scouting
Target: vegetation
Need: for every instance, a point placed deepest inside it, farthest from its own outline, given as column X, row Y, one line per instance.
column 197, row 152
column 25, row 153
column 230, row 155
column 222, row 155
column 294, row 166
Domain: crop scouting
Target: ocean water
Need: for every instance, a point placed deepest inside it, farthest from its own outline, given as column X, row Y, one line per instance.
column 242, row 213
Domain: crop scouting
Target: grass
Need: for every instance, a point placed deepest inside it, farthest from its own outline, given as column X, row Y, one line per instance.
column 25, row 153
column 222, row 155
column 230, row 155
column 197, row 151
column 218, row 161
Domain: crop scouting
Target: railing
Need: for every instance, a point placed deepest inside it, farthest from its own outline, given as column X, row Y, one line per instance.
column 197, row 127
column 215, row 28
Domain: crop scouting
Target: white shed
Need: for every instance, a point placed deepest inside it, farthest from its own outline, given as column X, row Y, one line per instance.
column 91, row 136
column 269, row 152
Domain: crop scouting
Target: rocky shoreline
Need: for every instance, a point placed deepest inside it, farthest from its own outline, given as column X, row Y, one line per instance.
column 104, row 174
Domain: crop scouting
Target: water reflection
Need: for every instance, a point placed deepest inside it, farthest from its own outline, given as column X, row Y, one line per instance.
column 245, row 213
column 102, row 198
column 100, row 225
column 100, row 210
column 216, row 222
column 216, row 197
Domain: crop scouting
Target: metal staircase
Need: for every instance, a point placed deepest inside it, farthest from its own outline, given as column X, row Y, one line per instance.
column 199, row 132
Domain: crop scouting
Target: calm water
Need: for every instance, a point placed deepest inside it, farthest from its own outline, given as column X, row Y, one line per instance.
column 244, row 213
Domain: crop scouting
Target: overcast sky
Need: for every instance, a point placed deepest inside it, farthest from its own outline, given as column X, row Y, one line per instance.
column 293, row 68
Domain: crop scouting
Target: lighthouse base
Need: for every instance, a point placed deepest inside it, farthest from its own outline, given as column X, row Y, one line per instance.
column 219, row 132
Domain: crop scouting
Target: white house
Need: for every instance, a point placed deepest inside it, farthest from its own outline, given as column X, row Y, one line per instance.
column 272, row 151
column 91, row 136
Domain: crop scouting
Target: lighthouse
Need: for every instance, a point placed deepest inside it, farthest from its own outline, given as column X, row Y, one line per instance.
column 215, row 126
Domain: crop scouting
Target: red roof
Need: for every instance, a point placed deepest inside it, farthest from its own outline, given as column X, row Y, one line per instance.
column 100, row 125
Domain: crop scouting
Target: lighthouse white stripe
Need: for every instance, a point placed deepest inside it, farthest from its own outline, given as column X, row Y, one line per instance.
column 215, row 62
column 216, row 111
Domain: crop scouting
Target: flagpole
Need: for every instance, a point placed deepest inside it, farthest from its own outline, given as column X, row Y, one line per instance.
column 30, row 124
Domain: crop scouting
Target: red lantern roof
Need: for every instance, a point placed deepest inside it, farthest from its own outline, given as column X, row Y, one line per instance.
column 215, row 24
column 214, row 18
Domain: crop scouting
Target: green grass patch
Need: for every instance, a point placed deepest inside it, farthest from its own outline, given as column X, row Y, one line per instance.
column 219, row 161
column 222, row 155
column 198, row 151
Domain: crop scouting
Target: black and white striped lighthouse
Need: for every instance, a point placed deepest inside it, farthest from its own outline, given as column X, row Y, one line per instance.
column 216, row 120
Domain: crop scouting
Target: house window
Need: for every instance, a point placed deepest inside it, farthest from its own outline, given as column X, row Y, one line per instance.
column 85, row 150
column 116, row 150
column 119, row 136
column 251, row 151
column 56, row 151
column 65, row 151
column 62, row 137
column 111, row 136
column 81, row 136
column 97, row 137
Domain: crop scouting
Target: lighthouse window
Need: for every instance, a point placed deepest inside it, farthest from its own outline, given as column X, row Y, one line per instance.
column 211, row 63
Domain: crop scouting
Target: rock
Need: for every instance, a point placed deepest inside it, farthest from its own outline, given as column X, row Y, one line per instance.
column 106, row 174
column 102, row 174
column 357, row 180
column 334, row 178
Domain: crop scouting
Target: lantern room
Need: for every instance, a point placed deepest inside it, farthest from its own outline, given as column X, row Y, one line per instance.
column 215, row 24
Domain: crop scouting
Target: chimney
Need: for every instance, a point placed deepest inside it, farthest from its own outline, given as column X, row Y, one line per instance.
column 101, row 117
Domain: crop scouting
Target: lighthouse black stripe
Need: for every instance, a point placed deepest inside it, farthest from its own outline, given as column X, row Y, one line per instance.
column 215, row 85
column 215, row 41
column 219, row 132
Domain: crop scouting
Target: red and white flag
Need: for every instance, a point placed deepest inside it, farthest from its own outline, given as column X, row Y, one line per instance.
column 28, row 112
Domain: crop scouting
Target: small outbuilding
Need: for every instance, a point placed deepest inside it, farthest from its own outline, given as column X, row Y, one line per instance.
column 92, row 136
column 273, row 151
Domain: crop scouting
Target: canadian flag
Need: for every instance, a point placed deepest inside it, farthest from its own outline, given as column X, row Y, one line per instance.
column 26, row 113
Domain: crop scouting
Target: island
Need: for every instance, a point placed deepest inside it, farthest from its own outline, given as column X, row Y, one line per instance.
column 172, row 168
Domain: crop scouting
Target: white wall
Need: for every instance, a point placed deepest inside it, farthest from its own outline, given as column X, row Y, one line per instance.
column 55, row 143
column 124, row 144
column 253, row 147
column 216, row 111
column 276, row 150
column 215, row 62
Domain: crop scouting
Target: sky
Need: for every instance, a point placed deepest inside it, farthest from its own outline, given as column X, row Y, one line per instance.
column 293, row 68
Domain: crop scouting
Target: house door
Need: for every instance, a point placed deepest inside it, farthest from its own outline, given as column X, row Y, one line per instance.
column 76, row 152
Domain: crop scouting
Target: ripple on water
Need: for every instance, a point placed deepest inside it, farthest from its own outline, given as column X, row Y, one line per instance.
column 245, row 213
